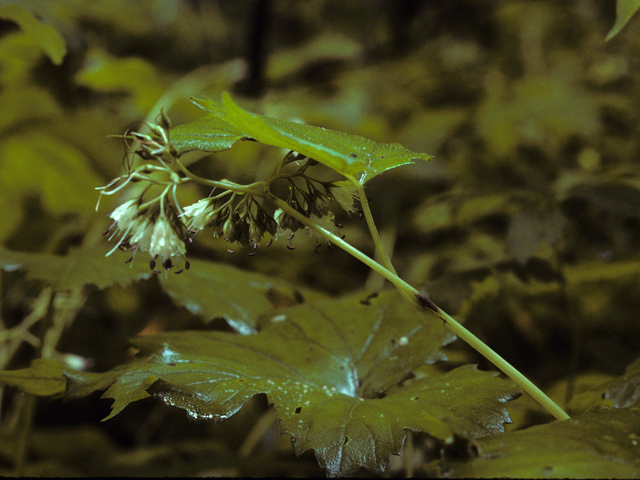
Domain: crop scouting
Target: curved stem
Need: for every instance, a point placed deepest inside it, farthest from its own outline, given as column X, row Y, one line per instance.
column 223, row 184
column 427, row 306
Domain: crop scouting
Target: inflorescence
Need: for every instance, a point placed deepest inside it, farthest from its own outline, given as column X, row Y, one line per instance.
column 240, row 214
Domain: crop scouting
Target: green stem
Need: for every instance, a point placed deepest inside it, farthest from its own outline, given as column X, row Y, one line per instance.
column 27, row 413
column 373, row 230
column 427, row 306
column 223, row 184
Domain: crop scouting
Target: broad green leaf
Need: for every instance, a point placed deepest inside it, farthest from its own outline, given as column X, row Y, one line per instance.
column 80, row 267
column 217, row 290
column 332, row 369
column 603, row 444
column 208, row 134
column 348, row 154
column 625, row 9
column 47, row 36
column 44, row 378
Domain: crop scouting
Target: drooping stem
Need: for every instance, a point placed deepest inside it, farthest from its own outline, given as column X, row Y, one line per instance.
column 427, row 306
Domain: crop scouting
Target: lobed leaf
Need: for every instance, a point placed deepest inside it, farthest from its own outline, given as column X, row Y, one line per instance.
column 79, row 267
column 350, row 155
column 217, row 290
column 44, row 378
column 335, row 372
column 602, row 444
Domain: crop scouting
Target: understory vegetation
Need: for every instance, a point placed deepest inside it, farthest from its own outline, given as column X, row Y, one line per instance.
column 283, row 238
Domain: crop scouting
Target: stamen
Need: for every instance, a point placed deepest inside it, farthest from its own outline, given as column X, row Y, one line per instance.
column 121, row 239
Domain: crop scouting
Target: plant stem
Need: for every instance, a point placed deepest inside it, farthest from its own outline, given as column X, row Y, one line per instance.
column 377, row 242
column 27, row 413
column 427, row 306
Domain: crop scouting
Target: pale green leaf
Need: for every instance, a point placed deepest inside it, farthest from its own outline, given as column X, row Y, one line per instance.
column 59, row 172
column 87, row 265
column 350, row 155
column 208, row 134
column 602, row 444
column 47, row 36
column 332, row 369
column 625, row 9
column 134, row 75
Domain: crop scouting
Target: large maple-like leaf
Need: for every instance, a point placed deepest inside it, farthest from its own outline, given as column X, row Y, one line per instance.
column 338, row 373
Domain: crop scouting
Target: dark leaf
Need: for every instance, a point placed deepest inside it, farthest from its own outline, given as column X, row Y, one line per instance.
column 333, row 371
column 82, row 266
column 216, row 290
column 602, row 444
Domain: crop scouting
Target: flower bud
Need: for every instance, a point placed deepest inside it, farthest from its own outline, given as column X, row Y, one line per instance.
column 229, row 229
column 255, row 233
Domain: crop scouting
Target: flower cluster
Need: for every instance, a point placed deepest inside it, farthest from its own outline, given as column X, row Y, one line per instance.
column 161, row 227
column 161, row 235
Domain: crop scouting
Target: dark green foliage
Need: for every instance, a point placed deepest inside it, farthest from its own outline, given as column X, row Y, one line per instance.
column 524, row 225
column 602, row 444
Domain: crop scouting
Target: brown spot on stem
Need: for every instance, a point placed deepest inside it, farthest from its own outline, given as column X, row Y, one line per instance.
column 425, row 302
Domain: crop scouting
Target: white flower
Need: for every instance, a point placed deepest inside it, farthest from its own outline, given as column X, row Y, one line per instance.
column 279, row 216
column 141, row 234
column 165, row 242
column 200, row 213
column 344, row 192
column 124, row 214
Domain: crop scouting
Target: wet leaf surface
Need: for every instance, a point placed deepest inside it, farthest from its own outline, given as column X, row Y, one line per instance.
column 335, row 371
